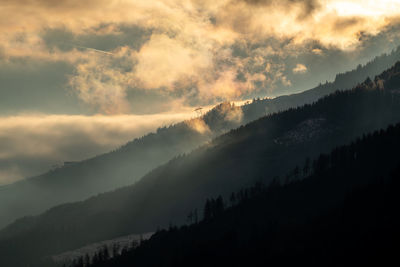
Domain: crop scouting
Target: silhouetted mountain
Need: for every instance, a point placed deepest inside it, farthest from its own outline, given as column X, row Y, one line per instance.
column 259, row 151
column 126, row 165
column 345, row 213
column 342, row 81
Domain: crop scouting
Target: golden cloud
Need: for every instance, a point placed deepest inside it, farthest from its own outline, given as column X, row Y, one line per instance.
column 102, row 83
column 164, row 61
column 198, row 125
column 300, row 68
column 220, row 21
column 190, row 43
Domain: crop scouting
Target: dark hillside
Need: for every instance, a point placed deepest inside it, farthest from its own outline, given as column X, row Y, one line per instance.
column 129, row 163
column 343, row 214
column 260, row 151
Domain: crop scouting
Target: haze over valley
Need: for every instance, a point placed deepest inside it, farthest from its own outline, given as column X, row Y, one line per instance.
column 199, row 133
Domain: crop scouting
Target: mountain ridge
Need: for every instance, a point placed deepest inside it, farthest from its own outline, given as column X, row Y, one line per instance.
column 280, row 223
column 231, row 161
column 130, row 162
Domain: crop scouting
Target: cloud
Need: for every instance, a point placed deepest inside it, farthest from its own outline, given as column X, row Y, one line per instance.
column 232, row 113
column 220, row 21
column 317, row 51
column 101, row 81
column 198, row 125
column 307, row 7
column 31, row 144
column 198, row 51
column 162, row 55
column 165, row 61
column 9, row 174
column 300, row 68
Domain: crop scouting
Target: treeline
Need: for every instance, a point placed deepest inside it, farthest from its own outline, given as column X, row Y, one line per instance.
column 368, row 70
column 228, row 163
column 130, row 162
column 342, row 211
column 343, row 81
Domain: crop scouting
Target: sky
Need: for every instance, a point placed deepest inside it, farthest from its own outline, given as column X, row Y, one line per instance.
column 79, row 78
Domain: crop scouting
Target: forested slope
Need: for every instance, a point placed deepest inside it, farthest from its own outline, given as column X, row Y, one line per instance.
column 259, row 151
column 342, row 210
column 129, row 163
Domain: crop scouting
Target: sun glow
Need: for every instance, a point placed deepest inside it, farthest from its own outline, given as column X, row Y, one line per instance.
column 365, row 8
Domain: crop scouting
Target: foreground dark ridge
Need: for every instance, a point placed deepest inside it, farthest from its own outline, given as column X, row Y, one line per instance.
column 258, row 151
column 129, row 163
column 339, row 210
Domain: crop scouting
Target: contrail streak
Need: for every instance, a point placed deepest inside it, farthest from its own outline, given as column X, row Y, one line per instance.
column 93, row 49
column 87, row 48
